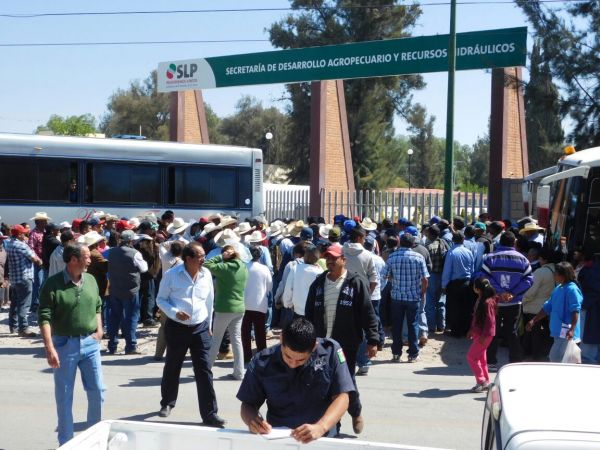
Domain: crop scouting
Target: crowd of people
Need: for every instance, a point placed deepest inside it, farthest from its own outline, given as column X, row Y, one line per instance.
column 336, row 290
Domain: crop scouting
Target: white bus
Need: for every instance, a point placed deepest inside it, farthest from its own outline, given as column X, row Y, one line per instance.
column 72, row 177
column 568, row 200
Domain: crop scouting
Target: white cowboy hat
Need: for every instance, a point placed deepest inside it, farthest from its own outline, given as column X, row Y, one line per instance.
column 178, row 226
column 99, row 215
column 324, row 231
column 227, row 220
column 368, row 224
column 255, row 237
column 243, row 228
column 63, row 225
column 111, row 217
column 209, row 228
column 530, row 227
column 214, row 216
column 295, row 228
column 151, row 217
column 91, row 238
column 274, row 230
column 134, row 222
column 226, row 237
column 40, row 216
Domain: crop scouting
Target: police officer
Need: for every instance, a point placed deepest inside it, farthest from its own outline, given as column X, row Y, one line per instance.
column 305, row 382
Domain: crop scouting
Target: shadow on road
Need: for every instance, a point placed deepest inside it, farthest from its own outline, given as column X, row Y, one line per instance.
column 456, row 369
column 437, row 393
column 37, row 352
column 154, row 381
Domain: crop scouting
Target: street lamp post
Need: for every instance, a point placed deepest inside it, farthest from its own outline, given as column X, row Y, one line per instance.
column 410, row 153
column 268, row 137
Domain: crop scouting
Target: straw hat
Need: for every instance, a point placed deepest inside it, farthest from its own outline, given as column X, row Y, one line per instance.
column 324, row 231
column 530, row 227
column 209, row 228
column 227, row 220
column 255, row 237
column 134, row 222
column 274, row 230
column 99, row 215
column 243, row 228
column 41, row 216
column 295, row 228
column 214, row 217
column 178, row 226
column 91, row 238
column 368, row 224
column 65, row 224
column 226, row 237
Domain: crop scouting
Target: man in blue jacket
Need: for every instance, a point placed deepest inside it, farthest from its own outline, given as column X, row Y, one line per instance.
column 510, row 274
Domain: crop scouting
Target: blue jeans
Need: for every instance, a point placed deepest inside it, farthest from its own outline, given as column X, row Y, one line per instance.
column 20, row 303
column 362, row 359
column 590, row 353
column 38, row 280
column 435, row 305
column 74, row 352
column 410, row 310
column 124, row 314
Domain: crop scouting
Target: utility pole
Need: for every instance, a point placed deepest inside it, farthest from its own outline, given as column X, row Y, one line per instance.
column 448, row 181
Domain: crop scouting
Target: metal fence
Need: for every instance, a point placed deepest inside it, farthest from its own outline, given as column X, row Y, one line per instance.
column 417, row 206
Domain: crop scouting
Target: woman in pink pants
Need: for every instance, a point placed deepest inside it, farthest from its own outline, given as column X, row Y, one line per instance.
column 483, row 329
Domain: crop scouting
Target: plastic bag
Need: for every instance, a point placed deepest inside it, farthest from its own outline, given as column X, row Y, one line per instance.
column 572, row 353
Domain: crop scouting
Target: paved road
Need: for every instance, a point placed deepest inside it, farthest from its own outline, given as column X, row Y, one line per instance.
column 425, row 404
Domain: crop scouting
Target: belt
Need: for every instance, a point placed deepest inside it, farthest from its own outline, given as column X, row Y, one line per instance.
column 79, row 336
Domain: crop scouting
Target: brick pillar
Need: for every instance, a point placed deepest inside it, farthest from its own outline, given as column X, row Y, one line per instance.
column 188, row 118
column 508, row 145
column 330, row 155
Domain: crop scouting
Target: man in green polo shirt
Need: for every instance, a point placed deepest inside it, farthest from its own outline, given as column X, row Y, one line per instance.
column 69, row 318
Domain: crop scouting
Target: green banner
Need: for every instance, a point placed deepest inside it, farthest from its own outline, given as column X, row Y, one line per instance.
column 475, row 50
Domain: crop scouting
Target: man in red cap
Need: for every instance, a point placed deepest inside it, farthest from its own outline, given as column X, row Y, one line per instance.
column 339, row 306
column 20, row 268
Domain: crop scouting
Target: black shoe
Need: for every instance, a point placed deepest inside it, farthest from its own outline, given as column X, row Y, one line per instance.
column 135, row 351
column 215, row 422
column 165, row 411
column 150, row 323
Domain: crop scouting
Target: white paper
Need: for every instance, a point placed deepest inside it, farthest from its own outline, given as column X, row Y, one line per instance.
column 278, row 433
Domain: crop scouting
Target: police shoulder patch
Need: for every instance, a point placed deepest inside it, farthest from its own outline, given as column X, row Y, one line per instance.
column 340, row 355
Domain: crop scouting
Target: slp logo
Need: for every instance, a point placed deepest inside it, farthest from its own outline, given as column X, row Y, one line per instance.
column 181, row 71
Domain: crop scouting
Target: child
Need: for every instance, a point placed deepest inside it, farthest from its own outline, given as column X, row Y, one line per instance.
column 483, row 330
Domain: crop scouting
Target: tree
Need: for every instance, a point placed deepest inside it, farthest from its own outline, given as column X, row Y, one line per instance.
column 545, row 135
column 69, row 126
column 371, row 103
column 139, row 106
column 427, row 158
column 249, row 127
column 213, row 122
column 480, row 161
column 569, row 40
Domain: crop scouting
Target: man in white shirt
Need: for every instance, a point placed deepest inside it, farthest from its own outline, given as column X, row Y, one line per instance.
column 186, row 296
column 299, row 279
column 56, row 258
column 258, row 286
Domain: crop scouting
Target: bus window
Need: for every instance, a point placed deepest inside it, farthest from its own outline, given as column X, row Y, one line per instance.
column 54, row 180
column 592, row 230
column 595, row 191
column 18, row 179
column 123, row 183
column 202, row 186
column 245, row 188
column 567, row 197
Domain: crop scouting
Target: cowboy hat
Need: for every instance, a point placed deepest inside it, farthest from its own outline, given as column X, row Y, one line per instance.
column 99, row 215
column 178, row 226
column 64, row 225
column 324, row 231
column 226, row 237
column 530, row 227
column 209, row 228
column 295, row 228
column 214, row 217
column 40, row 216
column 274, row 229
column 368, row 224
column 91, row 238
column 134, row 222
column 227, row 220
column 243, row 228
column 255, row 237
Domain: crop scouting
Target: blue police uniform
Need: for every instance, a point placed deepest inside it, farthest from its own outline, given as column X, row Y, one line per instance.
column 296, row 396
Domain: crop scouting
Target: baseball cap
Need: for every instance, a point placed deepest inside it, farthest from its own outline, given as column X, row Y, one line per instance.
column 94, row 221
column 334, row 250
column 349, row 225
column 403, row 221
column 17, row 230
column 64, row 225
column 306, row 234
column 340, row 218
column 369, row 242
column 335, row 232
column 434, row 220
column 412, row 230
column 407, row 239
column 127, row 236
column 480, row 225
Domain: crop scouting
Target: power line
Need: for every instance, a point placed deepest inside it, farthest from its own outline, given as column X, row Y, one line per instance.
column 234, row 10
column 86, row 44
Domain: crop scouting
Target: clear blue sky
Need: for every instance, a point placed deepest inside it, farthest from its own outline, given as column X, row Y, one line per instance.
column 36, row 82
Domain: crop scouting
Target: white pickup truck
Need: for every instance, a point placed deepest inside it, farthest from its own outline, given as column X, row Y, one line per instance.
column 539, row 406
column 126, row 435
